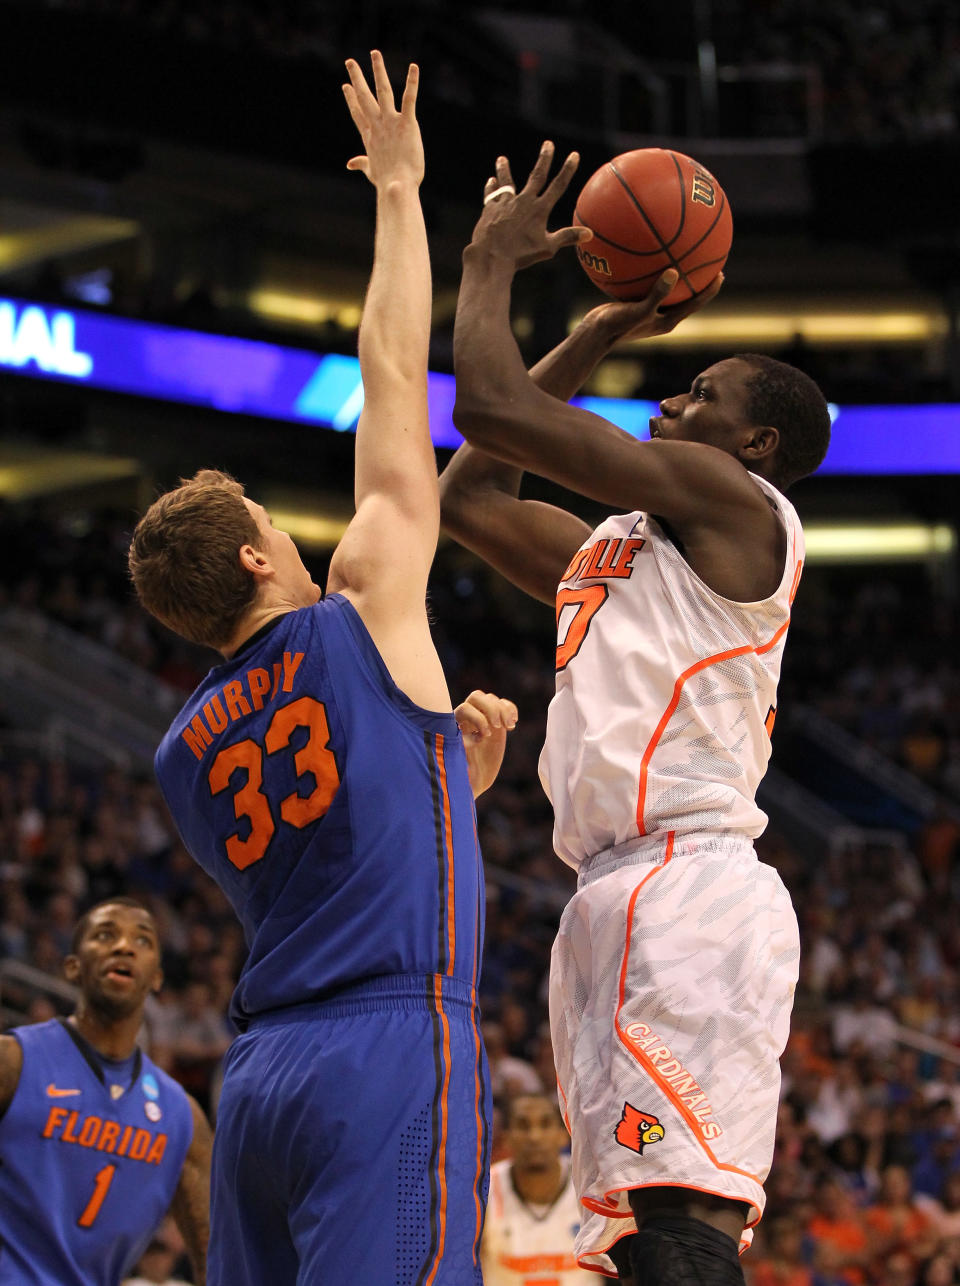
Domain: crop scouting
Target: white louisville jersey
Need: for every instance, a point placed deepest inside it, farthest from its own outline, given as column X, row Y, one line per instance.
column 529, row 1245
column 666, row 691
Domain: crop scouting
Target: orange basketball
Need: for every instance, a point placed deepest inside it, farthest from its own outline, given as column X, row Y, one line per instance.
column 650, row 210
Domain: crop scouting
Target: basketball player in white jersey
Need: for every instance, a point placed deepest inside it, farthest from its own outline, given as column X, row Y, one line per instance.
column 675, row 963
column 533, row 1214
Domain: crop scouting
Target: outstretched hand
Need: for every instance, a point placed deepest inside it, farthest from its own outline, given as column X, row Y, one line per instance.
column 513, row 225
column 485, row 720
column 643, row 318
column 391, row 139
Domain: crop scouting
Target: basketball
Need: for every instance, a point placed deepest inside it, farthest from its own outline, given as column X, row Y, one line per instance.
column 649, row 210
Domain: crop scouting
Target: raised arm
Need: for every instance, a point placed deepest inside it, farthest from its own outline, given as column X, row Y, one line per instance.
column 384, row 557
column 503, row 412
column 528, row 542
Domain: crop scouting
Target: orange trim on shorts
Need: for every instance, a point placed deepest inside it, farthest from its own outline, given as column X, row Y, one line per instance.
column 563, row 1106
column 651, row 1070
column 442, row 1158
column 448, row 845
column 595, row 1268
column 478, row 1174
column 477, row 1084
column 675, row 701
column 597, row 1208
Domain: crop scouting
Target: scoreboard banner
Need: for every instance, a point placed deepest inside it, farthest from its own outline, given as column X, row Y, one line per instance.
column 251, row 377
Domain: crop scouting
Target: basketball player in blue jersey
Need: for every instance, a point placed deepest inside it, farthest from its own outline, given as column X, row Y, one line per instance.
column 96, row 1142
column 319, row 775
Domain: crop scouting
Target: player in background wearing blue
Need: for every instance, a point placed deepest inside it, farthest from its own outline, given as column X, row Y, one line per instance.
column 96, row 1142
column 319, row 775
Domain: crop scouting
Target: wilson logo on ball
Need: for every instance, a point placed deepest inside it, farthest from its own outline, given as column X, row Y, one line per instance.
column 703, row 188
column 594, row 262
column 649, row 210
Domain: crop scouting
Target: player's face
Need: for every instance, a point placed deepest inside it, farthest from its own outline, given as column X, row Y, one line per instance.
column 117, row 963
column 291, row 577
column 536, row 1134
column 714, row 412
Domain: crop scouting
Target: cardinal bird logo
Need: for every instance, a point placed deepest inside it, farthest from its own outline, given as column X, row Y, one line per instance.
column 636, row 1129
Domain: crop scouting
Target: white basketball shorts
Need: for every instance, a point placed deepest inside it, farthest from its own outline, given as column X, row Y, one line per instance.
column 671, row 985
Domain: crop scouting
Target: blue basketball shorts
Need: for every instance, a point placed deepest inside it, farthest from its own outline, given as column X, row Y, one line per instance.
column 353, row 1140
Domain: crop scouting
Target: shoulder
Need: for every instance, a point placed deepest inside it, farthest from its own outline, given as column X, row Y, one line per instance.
column 11, row 1065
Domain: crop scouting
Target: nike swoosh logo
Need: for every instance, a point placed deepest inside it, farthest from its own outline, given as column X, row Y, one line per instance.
column 53, row 1092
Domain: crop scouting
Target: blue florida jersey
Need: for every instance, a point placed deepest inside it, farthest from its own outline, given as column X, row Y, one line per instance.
column 336, row 815
column 85, row 1177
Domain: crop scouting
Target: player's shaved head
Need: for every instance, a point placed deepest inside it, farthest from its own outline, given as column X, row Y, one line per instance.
column 785, row 398
column 83, row 924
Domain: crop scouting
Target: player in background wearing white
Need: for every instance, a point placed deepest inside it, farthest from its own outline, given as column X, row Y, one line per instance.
column 674, row 967
column 533, row 1214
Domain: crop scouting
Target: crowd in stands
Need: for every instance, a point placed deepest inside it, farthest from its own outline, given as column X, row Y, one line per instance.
column 865, row 1189
column 886, row 670
column 887, row 68
column 884, row 68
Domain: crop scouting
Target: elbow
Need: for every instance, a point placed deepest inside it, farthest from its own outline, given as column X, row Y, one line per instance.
column 469, row 416
column 483, row 422
column 454, row 504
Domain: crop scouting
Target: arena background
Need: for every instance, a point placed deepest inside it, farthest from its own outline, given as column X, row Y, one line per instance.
column 181, row 162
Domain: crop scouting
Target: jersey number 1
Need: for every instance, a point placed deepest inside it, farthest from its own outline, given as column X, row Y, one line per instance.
column 101, row 1187
column 249, row 801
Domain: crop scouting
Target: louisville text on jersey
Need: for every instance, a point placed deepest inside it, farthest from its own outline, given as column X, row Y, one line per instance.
column 606, row 558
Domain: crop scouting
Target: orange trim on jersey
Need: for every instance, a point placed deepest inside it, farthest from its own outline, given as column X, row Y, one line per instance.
column 448, row 845
column 675, row 701
column 649, row 1067
column 796, row 579
column 442, row 1158
column 666, row 717
column 772, row 642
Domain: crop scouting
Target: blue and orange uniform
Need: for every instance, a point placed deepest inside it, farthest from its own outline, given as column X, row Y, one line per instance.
column 89, row 1163
column 338, row 818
